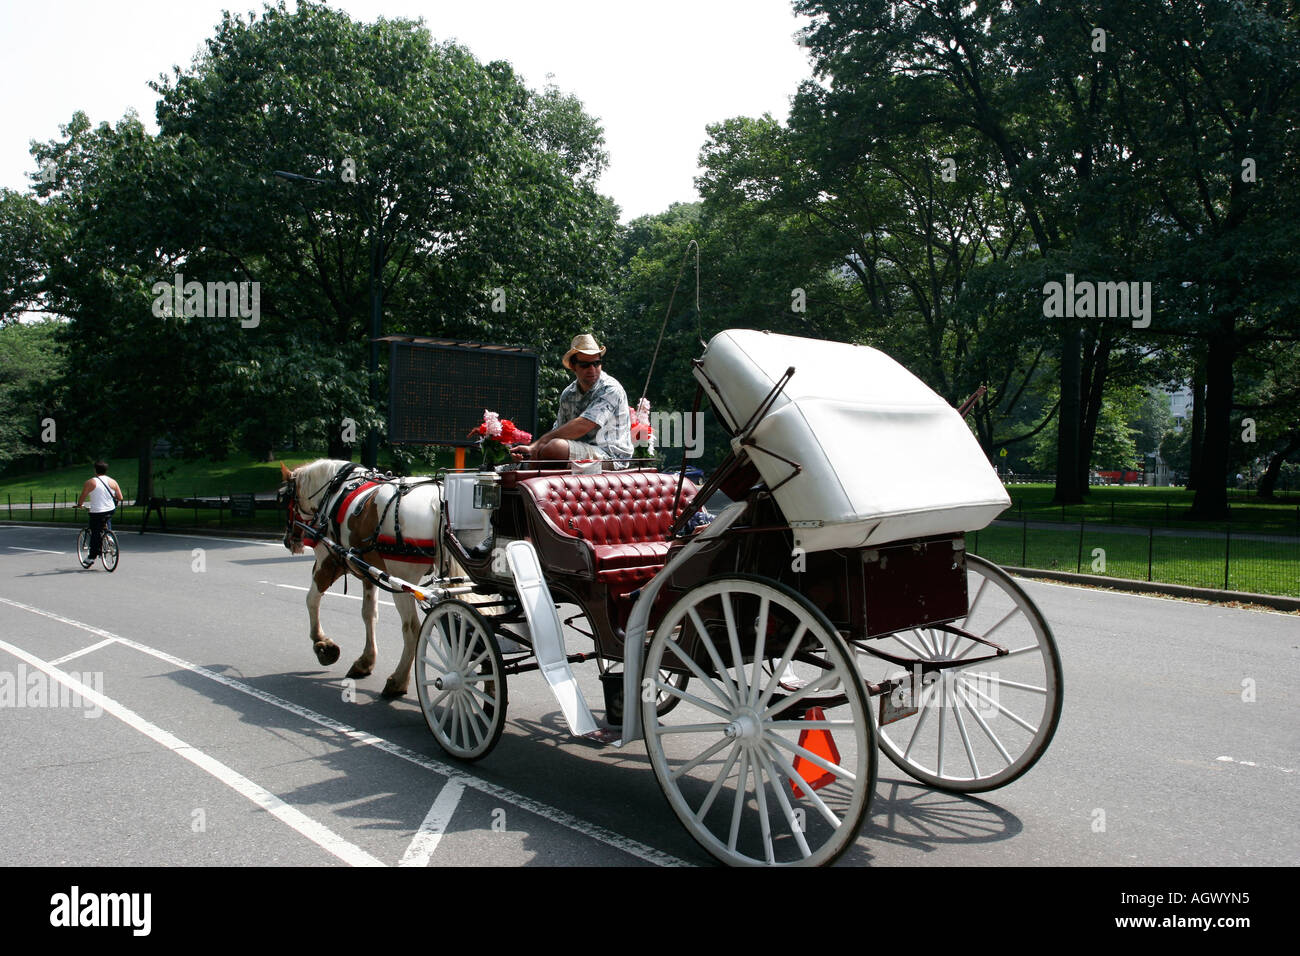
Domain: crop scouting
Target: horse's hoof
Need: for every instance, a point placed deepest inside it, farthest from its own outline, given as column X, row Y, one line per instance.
column 356, row 670
column 327, row 652
column 392, row 690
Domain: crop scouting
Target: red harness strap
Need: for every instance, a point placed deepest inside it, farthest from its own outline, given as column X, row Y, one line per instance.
column 341, row 512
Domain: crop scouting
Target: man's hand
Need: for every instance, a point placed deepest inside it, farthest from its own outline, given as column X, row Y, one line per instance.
column 521, row 452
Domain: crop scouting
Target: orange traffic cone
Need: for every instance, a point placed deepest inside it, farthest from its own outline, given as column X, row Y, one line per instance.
column 821, row 743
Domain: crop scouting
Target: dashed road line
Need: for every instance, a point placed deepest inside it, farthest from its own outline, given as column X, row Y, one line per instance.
column 15, row 547
column 298, row 587
column 318, row 833
column 435, row 824
column 1252, row 763
column 452, row 772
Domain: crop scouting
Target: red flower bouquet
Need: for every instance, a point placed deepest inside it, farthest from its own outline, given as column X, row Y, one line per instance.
column 496, row 436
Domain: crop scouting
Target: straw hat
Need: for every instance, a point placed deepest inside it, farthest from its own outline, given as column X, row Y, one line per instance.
column 586, row 344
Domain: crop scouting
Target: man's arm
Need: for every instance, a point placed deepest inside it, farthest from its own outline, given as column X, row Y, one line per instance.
column 86, row 489
column 572, row 429
column 117, row 489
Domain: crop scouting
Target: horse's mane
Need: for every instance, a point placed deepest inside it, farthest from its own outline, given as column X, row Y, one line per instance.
column 310, row 479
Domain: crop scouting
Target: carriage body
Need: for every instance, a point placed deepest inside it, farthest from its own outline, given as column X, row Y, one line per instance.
column 826, row 560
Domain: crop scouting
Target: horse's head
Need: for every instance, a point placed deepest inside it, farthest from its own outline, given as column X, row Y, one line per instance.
column 287, row 497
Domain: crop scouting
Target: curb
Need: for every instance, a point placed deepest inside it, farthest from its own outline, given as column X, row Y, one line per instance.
column 1215, row 595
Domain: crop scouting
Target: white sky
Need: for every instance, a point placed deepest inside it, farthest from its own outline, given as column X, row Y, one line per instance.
column 654, row 72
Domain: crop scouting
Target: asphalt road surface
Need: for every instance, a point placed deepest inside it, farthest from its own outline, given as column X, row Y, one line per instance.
column 214, row 737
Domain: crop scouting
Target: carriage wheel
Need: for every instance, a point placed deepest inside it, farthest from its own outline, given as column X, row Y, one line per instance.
column 460, row 680
column 756, row 775
column 108, row 551
column 666, row 700
column 982, row 725
column 83, row 545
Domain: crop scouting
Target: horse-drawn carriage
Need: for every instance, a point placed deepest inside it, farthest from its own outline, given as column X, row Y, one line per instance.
column 829, row 612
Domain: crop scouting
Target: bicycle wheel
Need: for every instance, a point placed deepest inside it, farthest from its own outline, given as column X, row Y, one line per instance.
column 108, row 551
column 83, row 546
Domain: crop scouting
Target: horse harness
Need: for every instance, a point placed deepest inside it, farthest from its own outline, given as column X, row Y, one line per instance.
column 336, row 498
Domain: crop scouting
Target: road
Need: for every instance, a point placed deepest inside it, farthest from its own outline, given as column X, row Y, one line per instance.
column 218, row 739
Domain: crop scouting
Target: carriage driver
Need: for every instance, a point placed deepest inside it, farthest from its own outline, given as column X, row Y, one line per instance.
column 592, row 420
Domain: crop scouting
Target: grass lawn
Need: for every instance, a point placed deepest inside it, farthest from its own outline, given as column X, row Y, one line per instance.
column 1160, row 507
column 1264, row 567
column 173, row 478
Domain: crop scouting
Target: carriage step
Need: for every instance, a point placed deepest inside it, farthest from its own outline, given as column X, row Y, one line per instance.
column 548, row 636
column 604, row 735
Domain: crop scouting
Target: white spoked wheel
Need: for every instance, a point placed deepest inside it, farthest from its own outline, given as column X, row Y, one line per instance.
column 983, row 720
column 83, row 545
column 460, row 679
column 770, row 756
column 108, row 551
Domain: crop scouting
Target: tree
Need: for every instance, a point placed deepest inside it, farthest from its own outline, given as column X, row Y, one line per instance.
column 470, row 198
column 31, row 362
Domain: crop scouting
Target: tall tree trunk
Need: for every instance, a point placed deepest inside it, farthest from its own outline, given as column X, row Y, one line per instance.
column 1198, row 422
column 1268, row 481
column 144, row 471
column 1067, row 438
column 1211, row 501
column 1093, row 381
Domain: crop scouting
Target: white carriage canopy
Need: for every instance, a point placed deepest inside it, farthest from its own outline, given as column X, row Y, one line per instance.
column 884, row 457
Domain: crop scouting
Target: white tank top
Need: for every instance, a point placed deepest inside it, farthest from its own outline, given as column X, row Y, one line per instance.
column 101, row 497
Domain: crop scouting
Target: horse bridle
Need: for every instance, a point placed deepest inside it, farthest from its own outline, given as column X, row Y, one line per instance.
column 289, row 493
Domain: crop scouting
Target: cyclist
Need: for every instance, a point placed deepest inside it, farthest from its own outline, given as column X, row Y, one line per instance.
column 105, row 496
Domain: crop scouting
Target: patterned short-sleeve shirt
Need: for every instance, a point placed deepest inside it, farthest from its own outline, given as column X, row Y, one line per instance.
column 606, row 405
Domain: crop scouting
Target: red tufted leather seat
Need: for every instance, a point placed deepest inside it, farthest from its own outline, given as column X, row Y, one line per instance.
column 623, row 516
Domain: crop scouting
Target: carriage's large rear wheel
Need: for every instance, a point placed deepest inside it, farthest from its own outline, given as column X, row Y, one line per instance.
column 976, row 725
column 770, row 756
column 460, row 679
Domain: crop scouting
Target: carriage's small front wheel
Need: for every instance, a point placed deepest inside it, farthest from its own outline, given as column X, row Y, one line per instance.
column 769, row 757
column 108, row 550
column 980, row 719
column 460, row 679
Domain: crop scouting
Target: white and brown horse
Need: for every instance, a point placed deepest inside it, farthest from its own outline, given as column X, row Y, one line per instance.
column 394, row 526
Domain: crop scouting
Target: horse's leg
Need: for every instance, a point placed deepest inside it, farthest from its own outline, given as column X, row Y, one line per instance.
column 325, row 573
column 410, row 612
column 365, row 664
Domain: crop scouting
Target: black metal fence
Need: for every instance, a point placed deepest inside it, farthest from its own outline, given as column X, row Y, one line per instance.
column 1230, row 559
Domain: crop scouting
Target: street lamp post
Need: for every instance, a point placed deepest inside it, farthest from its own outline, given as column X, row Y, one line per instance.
column 370, row 454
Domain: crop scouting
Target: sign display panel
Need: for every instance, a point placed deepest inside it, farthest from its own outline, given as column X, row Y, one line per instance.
column 438, row 389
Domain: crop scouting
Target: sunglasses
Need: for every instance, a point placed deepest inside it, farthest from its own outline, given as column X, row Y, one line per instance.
column 578, row 363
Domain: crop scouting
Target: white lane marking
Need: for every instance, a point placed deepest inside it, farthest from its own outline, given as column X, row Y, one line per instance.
column 350, row 597
column 1251, row 763
column 452, row 772
column 37, row 550
column 435, row 823
column 318, row 833
column 85, row 650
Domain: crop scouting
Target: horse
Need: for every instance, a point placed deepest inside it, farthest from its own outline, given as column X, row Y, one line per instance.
column 394, row 526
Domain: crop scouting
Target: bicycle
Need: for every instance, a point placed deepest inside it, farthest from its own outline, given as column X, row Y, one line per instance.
column 107, row 547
